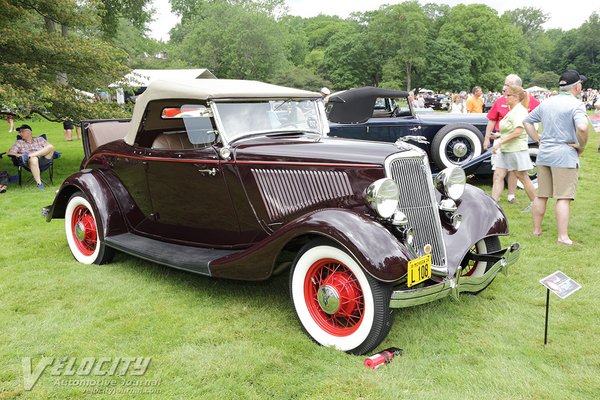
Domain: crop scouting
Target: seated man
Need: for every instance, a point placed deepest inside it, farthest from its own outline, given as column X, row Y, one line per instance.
column 34, row 151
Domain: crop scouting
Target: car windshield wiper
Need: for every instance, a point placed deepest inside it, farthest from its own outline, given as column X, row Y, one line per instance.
column 292, row 133
column 282, row 104
column 286, row 133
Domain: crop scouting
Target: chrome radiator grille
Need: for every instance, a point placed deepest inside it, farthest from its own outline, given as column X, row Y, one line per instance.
column 417, row 201
column 285, row 192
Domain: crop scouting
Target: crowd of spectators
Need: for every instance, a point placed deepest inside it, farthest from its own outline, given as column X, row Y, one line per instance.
column 457, row 102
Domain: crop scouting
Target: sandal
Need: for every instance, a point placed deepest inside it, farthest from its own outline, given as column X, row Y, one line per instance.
column 572, row 244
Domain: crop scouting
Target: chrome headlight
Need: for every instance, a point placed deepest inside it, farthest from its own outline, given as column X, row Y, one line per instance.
column 451, row 182
column 382, row 196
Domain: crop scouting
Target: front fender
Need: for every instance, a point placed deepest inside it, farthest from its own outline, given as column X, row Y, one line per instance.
column 371, row 244
column 482, row 217
column 98, row 192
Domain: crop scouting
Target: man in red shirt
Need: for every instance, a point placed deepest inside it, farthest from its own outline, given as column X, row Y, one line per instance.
column 496, row 113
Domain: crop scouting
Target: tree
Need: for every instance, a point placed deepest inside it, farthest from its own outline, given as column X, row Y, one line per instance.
column 478, row 29
column 399, row 33
column 448, row 69
column 42, row 66
column 587, row 50
column 529, row 19
column 231, row 41
column 346, row 62
column 436, row 14
column 139, row 48
column 299, row 77
column 547, row 79
column 193, row 8
column 112, row 11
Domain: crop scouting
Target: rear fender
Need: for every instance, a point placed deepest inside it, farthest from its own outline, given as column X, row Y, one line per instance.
column 100, row 195
column 370, row 243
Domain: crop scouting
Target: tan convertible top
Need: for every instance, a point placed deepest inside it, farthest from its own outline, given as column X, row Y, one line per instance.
column 209, row 89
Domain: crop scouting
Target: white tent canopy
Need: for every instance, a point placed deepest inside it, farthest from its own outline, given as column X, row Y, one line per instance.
column 536, row 89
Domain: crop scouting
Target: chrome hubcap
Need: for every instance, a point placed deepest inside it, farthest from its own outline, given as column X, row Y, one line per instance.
column 80, row 231
column 460, row 149
column 329, row 299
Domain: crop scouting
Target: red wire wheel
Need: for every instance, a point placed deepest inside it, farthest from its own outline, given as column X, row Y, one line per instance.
column 84, row 231
column 334, row 297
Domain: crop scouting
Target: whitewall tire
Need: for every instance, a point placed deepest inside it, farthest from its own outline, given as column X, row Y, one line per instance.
column 337, row 303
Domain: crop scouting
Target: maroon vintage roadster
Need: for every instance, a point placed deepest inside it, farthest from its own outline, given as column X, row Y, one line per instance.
column 238, row 179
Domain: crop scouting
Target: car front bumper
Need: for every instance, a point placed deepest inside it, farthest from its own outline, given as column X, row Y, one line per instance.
column 457, row 284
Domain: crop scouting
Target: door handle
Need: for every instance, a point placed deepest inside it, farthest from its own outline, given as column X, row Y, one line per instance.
column 212, row 172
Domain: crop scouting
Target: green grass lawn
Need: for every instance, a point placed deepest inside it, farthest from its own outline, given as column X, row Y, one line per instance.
column 216, row 339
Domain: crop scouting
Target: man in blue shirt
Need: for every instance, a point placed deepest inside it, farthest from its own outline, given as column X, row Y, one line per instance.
column 564, row 135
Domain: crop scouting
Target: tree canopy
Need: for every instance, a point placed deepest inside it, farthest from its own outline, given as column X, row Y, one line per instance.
column 404, row 45
column 50, row 51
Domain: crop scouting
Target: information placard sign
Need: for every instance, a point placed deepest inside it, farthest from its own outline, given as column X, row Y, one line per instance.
column 560, row 284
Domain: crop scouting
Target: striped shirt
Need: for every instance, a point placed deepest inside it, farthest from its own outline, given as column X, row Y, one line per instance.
column 23, row 147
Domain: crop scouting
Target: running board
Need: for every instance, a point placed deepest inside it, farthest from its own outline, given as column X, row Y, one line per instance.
column 193, row 259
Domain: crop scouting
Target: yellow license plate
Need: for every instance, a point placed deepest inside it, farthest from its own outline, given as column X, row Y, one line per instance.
column 419, row 270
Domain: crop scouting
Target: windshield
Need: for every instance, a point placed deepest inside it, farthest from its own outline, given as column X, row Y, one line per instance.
column 274, row 116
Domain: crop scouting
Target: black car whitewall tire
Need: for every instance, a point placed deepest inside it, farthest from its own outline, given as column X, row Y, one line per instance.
column 83, row 232
column 336, row 302
column 476, row 269
column 456, row 144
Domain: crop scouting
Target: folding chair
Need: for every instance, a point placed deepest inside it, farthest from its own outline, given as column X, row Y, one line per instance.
column 18, row 162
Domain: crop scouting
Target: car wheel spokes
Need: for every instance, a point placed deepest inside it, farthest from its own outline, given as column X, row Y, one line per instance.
column 459, row 150
column 83, row 229
column 334, row 297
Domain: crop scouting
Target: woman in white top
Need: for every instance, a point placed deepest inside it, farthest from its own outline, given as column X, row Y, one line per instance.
column 457, row 106
column 512, row 148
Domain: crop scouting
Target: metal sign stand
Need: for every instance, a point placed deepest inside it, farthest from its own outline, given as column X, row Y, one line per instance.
column 561, row 285
column 547, row 308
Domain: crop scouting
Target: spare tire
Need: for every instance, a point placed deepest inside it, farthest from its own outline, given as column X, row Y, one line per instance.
column 456, row 144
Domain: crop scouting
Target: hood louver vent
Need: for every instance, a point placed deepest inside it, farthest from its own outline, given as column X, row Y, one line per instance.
column 285, row 192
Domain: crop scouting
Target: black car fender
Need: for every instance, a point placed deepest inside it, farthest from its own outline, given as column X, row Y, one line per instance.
column 95, row 187
column 371, row 244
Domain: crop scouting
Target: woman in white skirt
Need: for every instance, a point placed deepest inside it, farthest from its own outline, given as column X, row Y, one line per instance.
column 512, row 149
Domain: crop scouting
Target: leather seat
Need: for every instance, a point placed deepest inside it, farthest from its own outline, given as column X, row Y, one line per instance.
column 100, row 133
column 172, row 141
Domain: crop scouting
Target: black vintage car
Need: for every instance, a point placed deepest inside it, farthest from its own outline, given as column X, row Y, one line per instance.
column 237, row 179
column 439, row 102
column 376, row 114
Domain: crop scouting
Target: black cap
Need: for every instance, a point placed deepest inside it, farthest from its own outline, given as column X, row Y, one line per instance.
column 24, row 126
column 570, row 77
